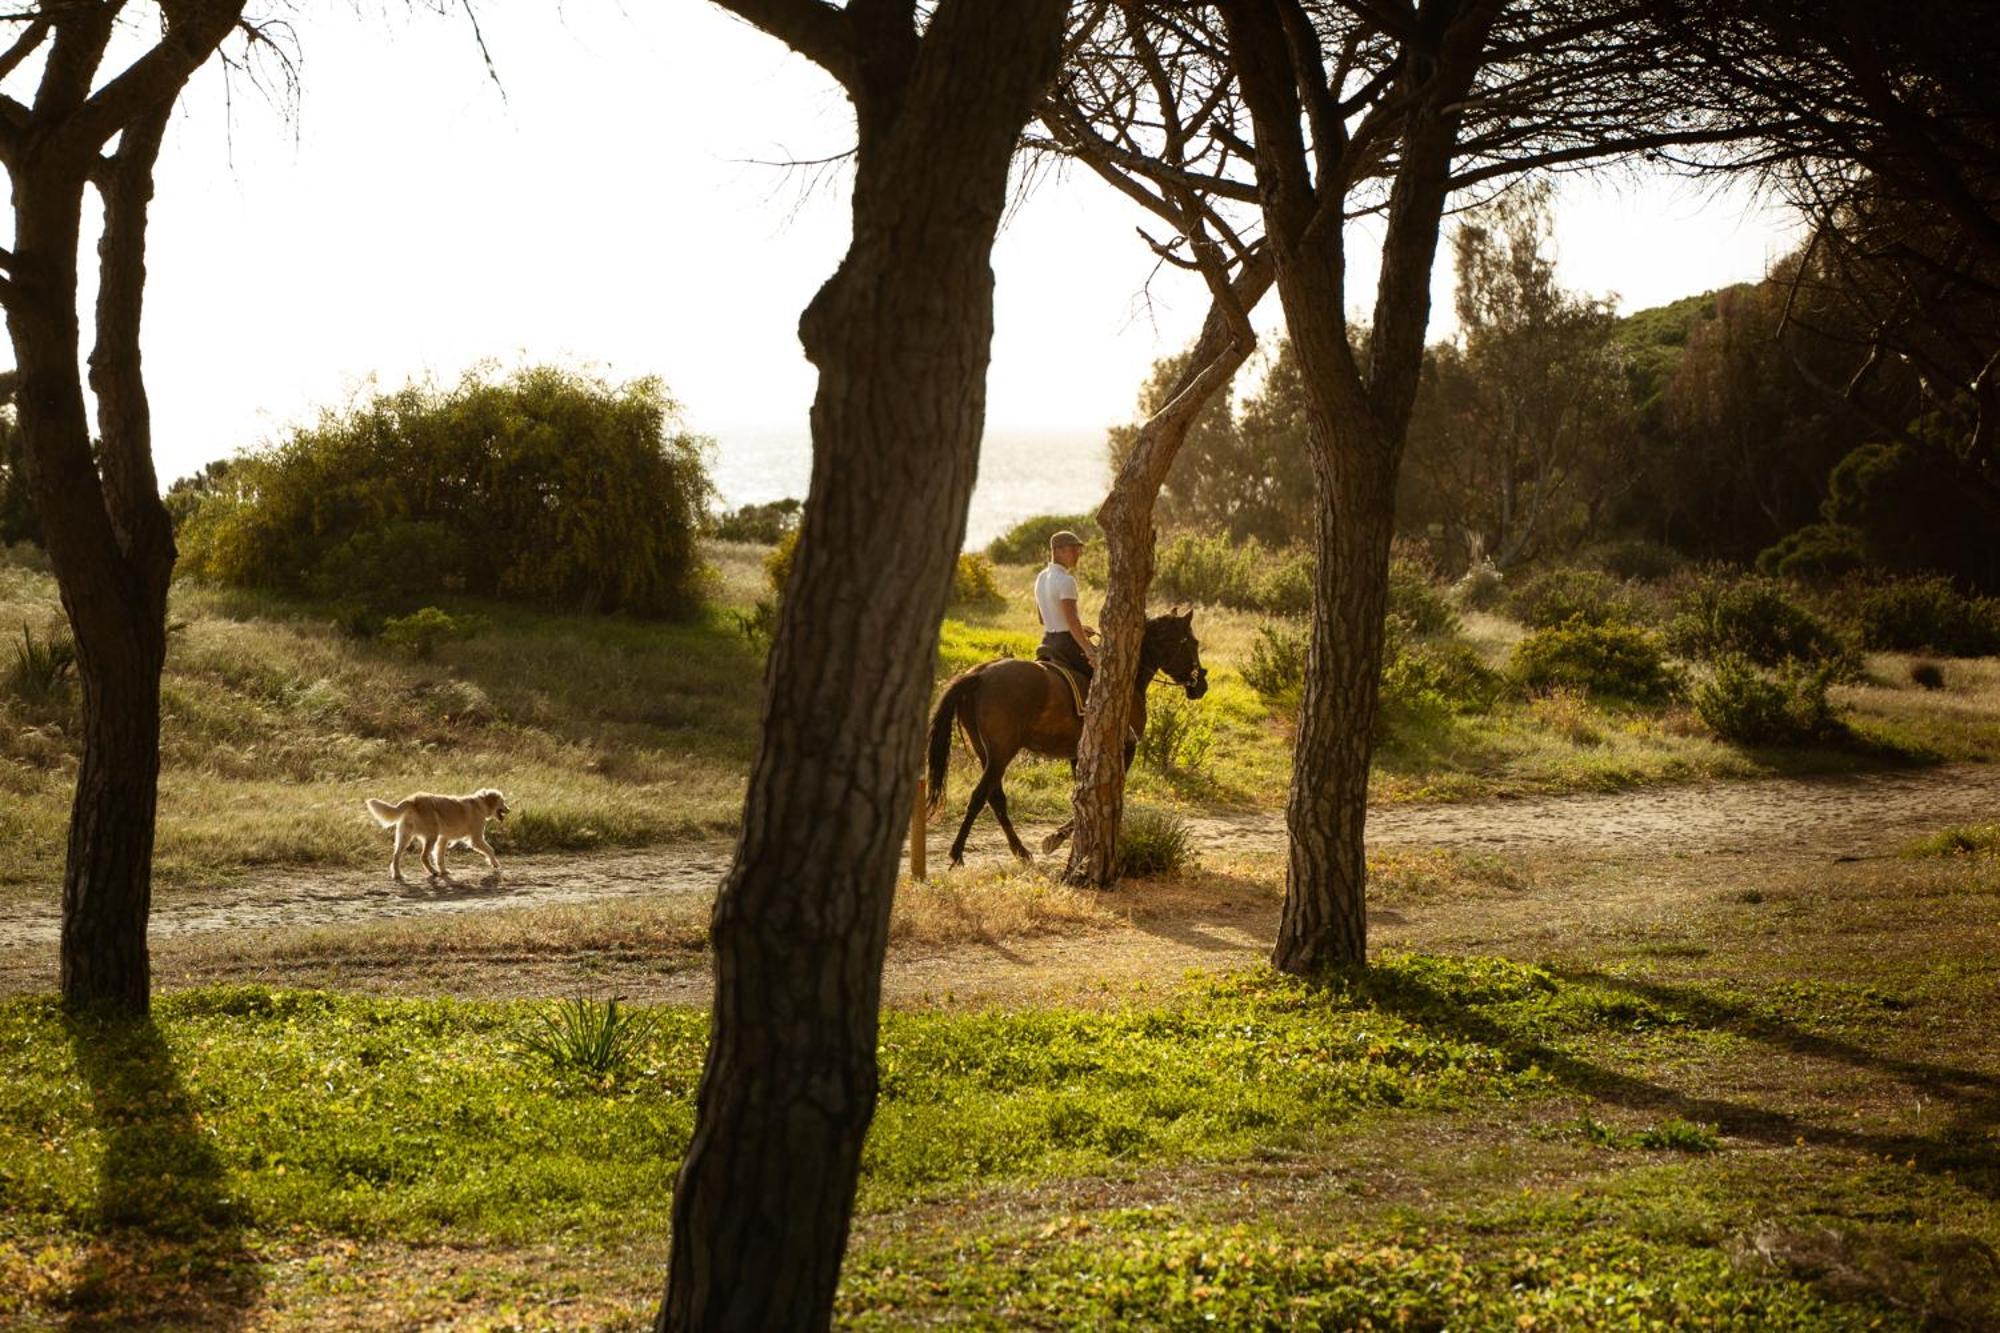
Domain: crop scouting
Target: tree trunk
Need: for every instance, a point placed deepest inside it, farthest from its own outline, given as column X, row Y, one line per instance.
column 112, row 565
column 1097, row 800
column 901, row 336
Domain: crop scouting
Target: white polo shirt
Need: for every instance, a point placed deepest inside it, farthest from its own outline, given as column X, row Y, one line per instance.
column 1052, row 586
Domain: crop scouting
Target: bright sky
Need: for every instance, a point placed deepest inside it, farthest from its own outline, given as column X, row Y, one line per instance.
column 613, row 210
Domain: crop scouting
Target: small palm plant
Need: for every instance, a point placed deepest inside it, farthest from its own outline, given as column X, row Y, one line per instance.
column 586, row 1037
column 41, row 666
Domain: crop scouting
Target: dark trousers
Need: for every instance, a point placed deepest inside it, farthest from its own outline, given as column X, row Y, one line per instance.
column 1061, row 646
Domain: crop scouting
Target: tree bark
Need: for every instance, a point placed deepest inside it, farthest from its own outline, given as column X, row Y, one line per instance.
column 901, row 336
column 1097, row 799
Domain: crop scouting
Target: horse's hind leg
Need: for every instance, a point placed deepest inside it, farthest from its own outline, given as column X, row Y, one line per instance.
column 987, row 781
column 1059, row 837
column 998, row 800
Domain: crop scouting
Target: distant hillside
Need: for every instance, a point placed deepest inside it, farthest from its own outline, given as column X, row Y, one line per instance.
column 1655, row 338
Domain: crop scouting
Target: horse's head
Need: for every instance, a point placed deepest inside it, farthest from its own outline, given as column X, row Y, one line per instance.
column 1172, row 647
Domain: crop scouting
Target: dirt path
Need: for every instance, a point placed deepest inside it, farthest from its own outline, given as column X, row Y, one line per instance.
column 1822, row 818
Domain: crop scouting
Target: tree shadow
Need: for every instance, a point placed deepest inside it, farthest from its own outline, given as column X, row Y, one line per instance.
column 166, row 1245
column 1965, row 1148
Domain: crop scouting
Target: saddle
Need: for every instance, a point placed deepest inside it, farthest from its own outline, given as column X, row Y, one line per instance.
column 1078, row 686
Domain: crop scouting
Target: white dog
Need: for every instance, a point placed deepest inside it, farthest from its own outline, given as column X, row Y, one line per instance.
column 437, row 820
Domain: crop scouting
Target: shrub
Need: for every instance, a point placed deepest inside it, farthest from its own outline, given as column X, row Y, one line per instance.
column 1284, row 587
column 972, row 583
column 1928, row 615
column 1416, row 599
column 1152, row 842
column 1927, row 675
column 778, row 564
column 762, row 524
column 1277, row 668
column 1480, row 588
column 1027, row 542
column 420, row 632
column 1620, row 661
column 547, row 486
column 41, row 667
column 1723, row 616
column 1178, row 735
column 1207, row 571
column 759, row 625
column 1567, row 713
column 580, row 1036
column 1564, row 594
column 1819, row 552
column 1434, row 677
column 1747, row 705
column 1642, row 560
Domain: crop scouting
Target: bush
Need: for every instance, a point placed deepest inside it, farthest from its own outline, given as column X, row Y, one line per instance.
column 547, row 486
column 1152, row 842
column 778, row 564
column 1416, row 600
column 1723, row 616
column 1284, row 587
column 420, row 632
column 1820, row 552
column 762, row 524
column 1927, row 675
column 41, row 667
column 1750, row 706
column 1564, row 594
column 1027, row 542
column 1615, row 660
column 1178, row 735
column 1277, row 669
column 759, row 625
column 1434, row 677
column 1928, row 615
column 1480, row 588
column 1207, row 571
column 1644, row 561
column 972, row 583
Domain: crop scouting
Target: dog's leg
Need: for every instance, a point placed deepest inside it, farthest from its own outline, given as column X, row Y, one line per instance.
column 479, row 845
column 396, row 857
column 434, row 855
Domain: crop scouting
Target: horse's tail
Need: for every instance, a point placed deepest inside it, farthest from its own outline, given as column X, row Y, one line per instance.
column 957, row 696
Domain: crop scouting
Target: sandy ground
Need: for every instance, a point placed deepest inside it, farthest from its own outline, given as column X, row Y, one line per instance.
column 1642, row 859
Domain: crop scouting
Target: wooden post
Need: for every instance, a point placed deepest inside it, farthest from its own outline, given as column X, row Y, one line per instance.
column 917, row 829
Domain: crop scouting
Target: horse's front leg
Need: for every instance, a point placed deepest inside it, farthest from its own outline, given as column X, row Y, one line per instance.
column 1059, row 837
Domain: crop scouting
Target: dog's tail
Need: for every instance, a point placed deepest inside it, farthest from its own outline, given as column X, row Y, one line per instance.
column 385, row 814
column 952, row 708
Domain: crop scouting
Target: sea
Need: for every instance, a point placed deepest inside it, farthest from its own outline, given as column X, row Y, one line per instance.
column 1022, row 473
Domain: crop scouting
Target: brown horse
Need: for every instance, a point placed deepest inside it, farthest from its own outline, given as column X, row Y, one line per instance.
column 1010, row 705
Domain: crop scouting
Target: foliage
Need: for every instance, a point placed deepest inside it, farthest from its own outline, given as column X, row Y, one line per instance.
column 1027, row 542
column 758, row 625
column 1247, row 477
column 778, row 564
column 1416, row 600
column 1618, row 660
column 1207, row 571
column 1927, row 675
column 1432, row 678
column 1635, row 559
column 1818, row 552
column 18, row 520
column 583, row 1037
column 1928, row 615
column 41, row 667
column 546, row 486
column 1722, row 615
column 1567, row 593
column 1480, row 588
column 762, row 524
column 973, row 584
column 1748, row 705
column 1178, row 735
column 1914, row 508
column 1153, row 841
column 1277, row 666
column 420, row 632
column 1958, row 840
column 1284, row 586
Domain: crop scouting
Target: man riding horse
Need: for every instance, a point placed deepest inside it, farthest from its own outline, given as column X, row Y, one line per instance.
column 1006, row 706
